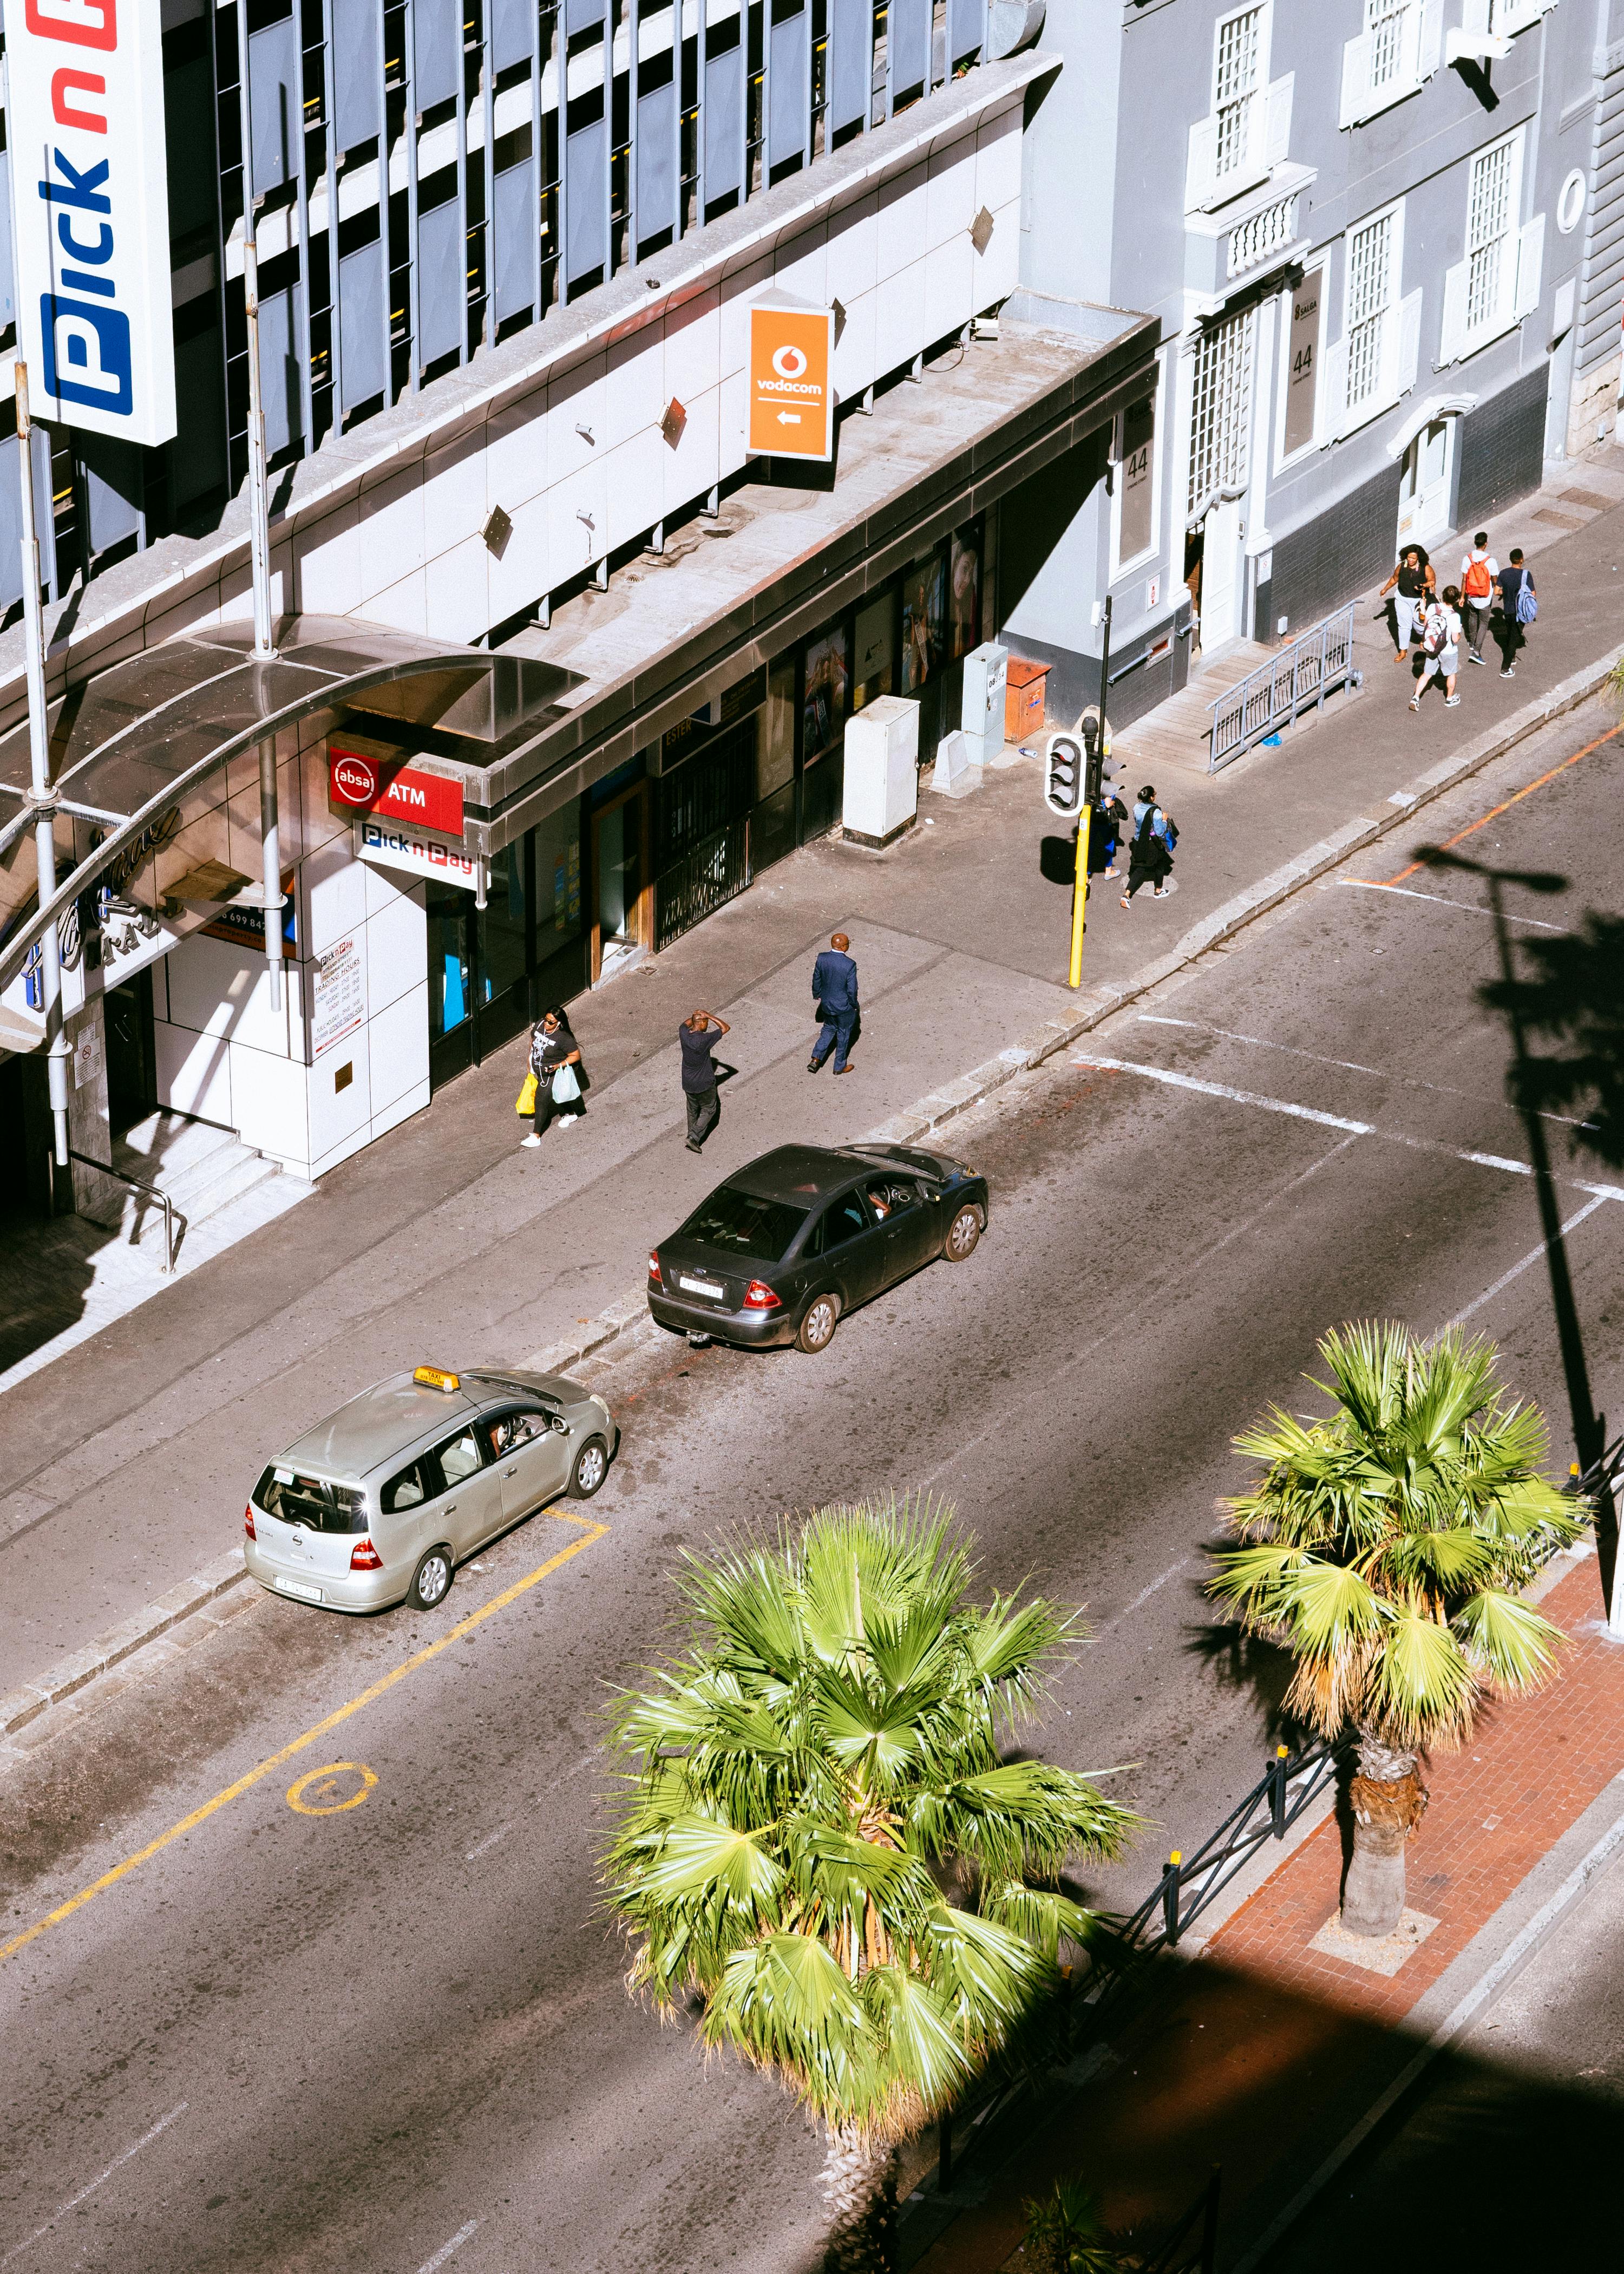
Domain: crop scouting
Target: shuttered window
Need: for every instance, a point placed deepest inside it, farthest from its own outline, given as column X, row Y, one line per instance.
column 1370, row 295
column 1221, row 413
column 1240, row 87
column 1488, row 226
column 1385, row 21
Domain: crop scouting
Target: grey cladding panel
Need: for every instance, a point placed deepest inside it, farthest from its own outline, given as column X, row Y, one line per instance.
column 357, row 71
column 656, row 160
column 910, row 31
column 586, row 200
column 850, row 61
column 10, row 514
column 279, row 367
column 581, row 15
column 436, row 50
column 8, row 286
column 274, row 104
column 724, row 124
column 361, row 320
column 790, row 105
column 513, row 32
column 516, row 239
column 114, row 481
column 443, row 291
column 967, row 28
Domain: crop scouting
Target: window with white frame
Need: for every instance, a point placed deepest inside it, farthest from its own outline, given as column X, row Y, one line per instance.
column 1248, row 126
column 1219, row 412
column 1398, row 51
column 1498, row 282
column 1374, row 361
column 1238, row 86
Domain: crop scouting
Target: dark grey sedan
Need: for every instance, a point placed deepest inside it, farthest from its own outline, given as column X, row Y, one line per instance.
column 777, row 1253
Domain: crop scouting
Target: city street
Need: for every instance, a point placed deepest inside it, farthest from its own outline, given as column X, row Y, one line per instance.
column 341, row 1994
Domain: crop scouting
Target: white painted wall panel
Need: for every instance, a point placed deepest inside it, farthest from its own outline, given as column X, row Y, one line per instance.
column 397, row 1046
column 270, row 1097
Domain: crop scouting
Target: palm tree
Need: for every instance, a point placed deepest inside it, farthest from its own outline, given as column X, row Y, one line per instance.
column 1386, row 1546
column 1065, row 2235
column 819, row 1840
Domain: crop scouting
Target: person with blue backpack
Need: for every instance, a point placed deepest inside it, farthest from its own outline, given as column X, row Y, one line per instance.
column 1518, row 605
column 1150, row 853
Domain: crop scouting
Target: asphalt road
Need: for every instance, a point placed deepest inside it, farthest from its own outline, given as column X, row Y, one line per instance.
column 392, row 2036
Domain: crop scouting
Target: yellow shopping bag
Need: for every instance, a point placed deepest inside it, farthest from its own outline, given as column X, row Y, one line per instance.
column 525, row 1102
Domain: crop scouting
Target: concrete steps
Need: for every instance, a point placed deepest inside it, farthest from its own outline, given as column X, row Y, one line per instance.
column 200, row 1168
column 1175, row 734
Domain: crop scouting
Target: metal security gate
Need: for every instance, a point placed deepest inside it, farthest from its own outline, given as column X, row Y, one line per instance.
column 712, row 874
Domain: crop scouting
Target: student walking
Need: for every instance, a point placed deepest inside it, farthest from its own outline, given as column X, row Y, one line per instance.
column 555, row 1063
column 1150, row 855
column 1440, row 647
column 1479, row 570
column 1517, row 606
column 834, row 991
column 1411, row 584
column 1105, row 835
column 699, row 1035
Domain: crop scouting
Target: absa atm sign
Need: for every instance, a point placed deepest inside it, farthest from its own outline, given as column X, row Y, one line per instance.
column 792, row 402
column 85, row 137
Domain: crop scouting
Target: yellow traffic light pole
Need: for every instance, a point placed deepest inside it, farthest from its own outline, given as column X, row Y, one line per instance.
column 1079, row 896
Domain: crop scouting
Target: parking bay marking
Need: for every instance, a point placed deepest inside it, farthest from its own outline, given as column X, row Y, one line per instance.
column 73, row 2201
column 591, row 1532
column 321, row 1802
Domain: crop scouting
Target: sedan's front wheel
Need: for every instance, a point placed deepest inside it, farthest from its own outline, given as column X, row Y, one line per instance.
column 430, row 1581
column 592, row 1467
column 818, row 1329
column 962, row 1234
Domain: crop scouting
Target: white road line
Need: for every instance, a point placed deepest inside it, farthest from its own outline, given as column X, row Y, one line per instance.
column 1334, row 1121
column 74, row 2202
column 1518, row 1269
column 1442, row 899
column 433, row 2266
column 1143, row 1595
column 1348, row 1066
column 489, row 1842
column 1236, row 1097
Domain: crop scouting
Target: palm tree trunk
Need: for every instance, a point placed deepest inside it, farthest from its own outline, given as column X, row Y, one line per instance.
column 1387, row 1798
column 860, row 2190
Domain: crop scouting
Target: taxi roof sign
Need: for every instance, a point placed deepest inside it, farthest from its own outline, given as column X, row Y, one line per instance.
column 792, row 395
column 435, row 1377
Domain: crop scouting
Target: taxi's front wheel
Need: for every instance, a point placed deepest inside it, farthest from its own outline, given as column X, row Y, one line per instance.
column 430, row 1581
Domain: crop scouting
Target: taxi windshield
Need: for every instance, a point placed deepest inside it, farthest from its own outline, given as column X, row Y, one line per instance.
column 311, row 1501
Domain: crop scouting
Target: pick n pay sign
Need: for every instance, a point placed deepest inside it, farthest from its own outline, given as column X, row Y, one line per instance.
column 85, row 136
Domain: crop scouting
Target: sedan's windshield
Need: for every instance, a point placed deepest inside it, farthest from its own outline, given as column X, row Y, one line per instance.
column 311, row 1501
column 746, row 1223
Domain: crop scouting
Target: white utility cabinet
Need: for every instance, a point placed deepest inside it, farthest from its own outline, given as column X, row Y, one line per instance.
column 982, row 712
column 881, row 770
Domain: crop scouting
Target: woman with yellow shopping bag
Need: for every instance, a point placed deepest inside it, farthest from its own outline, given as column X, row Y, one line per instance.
column 556, row 1078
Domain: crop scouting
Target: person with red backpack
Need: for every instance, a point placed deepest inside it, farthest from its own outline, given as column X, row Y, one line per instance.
column 1479, row 570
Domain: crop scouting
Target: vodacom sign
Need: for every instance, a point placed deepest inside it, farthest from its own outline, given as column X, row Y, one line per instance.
column 792, row 399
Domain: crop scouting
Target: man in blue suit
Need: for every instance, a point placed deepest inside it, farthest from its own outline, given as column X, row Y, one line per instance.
column 834, row 990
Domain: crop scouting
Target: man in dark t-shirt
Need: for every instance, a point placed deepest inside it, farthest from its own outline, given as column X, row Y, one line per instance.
column 698, row 1035
column 1413, row 579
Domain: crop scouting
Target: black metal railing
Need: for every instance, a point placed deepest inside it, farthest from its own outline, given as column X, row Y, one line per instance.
column 1192, row 2247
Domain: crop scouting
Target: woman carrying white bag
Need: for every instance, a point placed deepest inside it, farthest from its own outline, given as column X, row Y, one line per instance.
column 557, row 1074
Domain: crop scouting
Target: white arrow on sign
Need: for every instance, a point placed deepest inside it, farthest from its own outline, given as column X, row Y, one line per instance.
column 789, row 418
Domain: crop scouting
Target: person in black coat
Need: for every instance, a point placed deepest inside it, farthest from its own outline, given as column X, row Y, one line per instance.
column 834, row 990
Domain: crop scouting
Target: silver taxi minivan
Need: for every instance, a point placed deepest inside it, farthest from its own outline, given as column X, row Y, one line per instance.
column 379, row 1504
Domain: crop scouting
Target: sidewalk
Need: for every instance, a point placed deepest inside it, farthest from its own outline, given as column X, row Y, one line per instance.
column 1268, row 2053
column 444, row 1240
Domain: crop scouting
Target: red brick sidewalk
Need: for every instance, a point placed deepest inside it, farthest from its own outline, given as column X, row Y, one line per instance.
column 1270, row 2050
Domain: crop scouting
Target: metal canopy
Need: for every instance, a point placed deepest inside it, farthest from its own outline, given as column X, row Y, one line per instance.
column 128, row 745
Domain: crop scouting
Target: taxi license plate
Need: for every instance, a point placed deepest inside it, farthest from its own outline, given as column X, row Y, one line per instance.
column 702, row 1287
column 301, row 1588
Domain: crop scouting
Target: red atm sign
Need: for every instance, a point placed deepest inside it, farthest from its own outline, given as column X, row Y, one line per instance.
column 363, row 784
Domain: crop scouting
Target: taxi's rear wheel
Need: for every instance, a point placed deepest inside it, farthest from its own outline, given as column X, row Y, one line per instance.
column 962, row 1234
column 818, row 1329
column 592, row 1467
column 431, row 1581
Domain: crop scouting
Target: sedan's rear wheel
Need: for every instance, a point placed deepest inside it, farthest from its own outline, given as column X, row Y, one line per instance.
column 818, row 1329
column 962, row 1234
column 592, row 1467
column 430, row 1581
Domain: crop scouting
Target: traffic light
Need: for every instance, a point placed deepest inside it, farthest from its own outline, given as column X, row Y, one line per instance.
column 1062, row 776
column 1093, row 762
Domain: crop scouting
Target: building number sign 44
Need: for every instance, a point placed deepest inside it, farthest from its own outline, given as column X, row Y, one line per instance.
column 91, row 205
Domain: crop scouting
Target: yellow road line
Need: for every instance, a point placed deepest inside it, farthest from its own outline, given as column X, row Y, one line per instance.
column 590, row 1531
column 1494, row 812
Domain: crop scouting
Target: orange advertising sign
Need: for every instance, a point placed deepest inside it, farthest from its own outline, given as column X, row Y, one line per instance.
column 792, row 400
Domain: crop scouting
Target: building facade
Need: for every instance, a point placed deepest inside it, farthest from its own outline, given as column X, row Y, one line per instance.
column 1384, row 240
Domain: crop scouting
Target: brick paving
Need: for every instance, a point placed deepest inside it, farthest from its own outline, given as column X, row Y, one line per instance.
column 1269, row 2051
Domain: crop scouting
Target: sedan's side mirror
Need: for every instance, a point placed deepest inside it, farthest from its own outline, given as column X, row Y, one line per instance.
column 559, row 1423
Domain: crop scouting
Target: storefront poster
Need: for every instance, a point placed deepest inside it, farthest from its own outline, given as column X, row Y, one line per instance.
column 823, row 704
column 338, row 996
column 924, row 623
column 964, row 578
